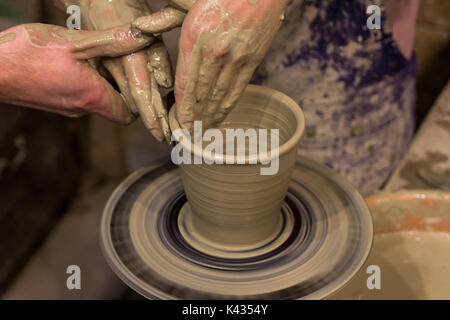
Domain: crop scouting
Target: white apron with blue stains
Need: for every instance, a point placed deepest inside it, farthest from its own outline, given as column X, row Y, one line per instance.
column 356, row 88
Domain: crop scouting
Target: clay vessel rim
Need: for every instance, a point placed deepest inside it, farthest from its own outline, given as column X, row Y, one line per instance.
column 287, row 146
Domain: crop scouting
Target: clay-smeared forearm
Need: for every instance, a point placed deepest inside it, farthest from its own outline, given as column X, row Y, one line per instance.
column 159, row 64
column 40, row 70
column 85, row 45
column 134, row 68
column 162, row 21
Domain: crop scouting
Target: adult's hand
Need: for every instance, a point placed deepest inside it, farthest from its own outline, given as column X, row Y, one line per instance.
column 41, row 68
column 222, row 42
column 139, row 74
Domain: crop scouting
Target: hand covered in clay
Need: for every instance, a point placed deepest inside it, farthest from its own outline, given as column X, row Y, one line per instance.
column 222, row 42
column 41, row 68
column 138, row 74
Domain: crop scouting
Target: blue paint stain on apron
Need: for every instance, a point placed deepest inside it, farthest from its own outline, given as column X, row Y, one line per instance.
column 356, row 88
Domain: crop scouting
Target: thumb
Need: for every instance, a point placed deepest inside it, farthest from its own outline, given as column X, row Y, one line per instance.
column 161, row 21
column 113, row 42
column 112, row 105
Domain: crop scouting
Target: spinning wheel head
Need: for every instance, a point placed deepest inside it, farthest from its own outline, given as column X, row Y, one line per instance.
column 324, row 237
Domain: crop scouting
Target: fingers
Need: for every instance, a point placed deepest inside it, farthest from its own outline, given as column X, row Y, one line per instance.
column 159, row 64
column 235, row 92
column 223, row 85
column 160, row 110
column 115, row 68
column 187, row 74
column 161, row 21
column 114, row 42
column 140, row 87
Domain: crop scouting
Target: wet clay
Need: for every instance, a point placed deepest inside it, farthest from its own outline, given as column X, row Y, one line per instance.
column 235, row 205
column 159, row 64
column 87, row 44
column 51, row 40
column 7, row 37
column 164, row 20
column 133, row 73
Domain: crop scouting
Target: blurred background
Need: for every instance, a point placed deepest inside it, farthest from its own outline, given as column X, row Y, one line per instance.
column 56, row 174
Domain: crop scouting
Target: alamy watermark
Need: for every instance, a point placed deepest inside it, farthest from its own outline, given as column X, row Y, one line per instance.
column 74, row 20
column 73, row 282
column 374, row 281
column 374, row 20
column 235, row 143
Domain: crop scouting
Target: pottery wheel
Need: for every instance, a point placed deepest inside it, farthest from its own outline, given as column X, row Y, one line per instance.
column 325, row 238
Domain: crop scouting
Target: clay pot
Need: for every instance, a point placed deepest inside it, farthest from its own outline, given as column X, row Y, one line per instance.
column 234, row 205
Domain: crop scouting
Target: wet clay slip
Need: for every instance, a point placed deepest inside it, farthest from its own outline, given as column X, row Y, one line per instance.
column 233, row 204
